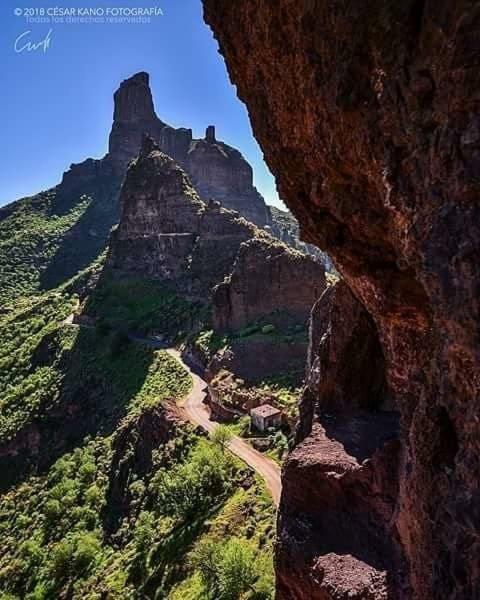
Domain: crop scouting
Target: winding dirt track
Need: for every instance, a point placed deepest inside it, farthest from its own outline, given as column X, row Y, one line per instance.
column 197, row 413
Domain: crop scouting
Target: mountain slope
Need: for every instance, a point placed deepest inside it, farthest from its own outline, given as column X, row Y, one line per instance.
column 105, row 490
column 48, row 238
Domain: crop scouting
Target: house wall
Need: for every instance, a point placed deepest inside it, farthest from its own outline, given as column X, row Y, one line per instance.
column 258, row 422
column 273, row 421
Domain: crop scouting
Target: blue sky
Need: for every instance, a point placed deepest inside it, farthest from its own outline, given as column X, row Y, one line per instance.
column 56, row 105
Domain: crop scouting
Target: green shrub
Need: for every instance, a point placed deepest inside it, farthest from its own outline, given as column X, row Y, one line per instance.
column 194, row 485
column 229, row 569
column 247, row 331
column 52, row 510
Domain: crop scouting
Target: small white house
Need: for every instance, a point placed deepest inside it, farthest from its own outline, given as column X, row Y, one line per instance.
column 265, row 416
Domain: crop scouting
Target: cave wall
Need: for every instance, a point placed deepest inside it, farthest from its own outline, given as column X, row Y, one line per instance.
column 368, row 115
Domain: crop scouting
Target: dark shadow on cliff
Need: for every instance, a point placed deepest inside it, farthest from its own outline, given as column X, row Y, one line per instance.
column 362, row 433
column 88, row 237
column 102, row 374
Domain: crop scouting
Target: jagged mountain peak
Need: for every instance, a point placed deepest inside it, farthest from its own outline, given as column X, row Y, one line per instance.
column 133, row 99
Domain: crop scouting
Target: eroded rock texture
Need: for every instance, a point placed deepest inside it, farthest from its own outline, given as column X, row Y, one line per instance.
column 167, row 233
column 217, row 170
column 368, row 116
column 269, row 281
column 340, row 482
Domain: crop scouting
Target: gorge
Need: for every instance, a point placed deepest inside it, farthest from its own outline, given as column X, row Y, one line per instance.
column 153, row 307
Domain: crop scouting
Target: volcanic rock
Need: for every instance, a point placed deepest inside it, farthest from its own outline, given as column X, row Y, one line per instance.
column 133, row 115
column 284, row 226
column 341, row 477
column 270, row 282
column 217, row 170
column 368, row 117
column 167, row 233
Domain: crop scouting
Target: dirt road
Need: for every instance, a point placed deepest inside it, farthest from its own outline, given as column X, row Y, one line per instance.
column 198, row 414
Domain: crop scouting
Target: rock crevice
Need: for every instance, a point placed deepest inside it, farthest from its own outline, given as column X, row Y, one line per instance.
column 380, row 168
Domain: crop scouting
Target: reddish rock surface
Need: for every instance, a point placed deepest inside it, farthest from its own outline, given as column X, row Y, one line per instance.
column 259, row 357
column 368, row 117
column 269, row 283
column 340, row 483
column 345, row 366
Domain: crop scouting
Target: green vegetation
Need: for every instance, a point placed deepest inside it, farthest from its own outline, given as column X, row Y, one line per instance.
column 54, row 538
column 232, row 560
column 44, row 363
column 266, row 329
column 209, row 342
column 261, row 331
column 104, row 494
column 221, row 437
column 48, row 238
column 286, row 389
column 29, row 375
column 29, row 238
column 98, row 522
column 332, row 278
column 141, row 305
column 279, row 445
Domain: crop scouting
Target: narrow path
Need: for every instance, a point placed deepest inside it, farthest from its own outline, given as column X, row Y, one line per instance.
column 197, row 413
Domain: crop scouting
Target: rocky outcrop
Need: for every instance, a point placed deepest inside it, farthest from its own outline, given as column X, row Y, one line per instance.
column 133, row 448
column 345, row 365
column 341, row 477
column 368, row 118
column 217, row 170
column 269, row 282
column 259, row 357
column 285, row 227
column 167, row 233
column 133, row 116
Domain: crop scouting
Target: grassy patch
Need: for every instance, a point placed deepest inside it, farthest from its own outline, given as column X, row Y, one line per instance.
column 44, row 363
column 48, row 238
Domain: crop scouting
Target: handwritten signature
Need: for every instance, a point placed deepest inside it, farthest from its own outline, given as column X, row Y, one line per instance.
column 22, row 44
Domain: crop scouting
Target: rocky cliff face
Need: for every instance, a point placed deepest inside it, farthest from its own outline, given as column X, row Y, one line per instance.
column 285, row 227
column 167, row 233
column 341, row 479
column 269, row 282
column 381, row 169
column 217, row 170
column 133, row 116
